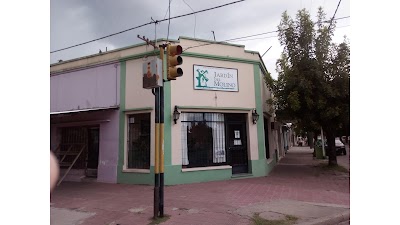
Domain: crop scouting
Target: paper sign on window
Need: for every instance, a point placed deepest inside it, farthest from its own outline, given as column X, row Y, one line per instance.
column 237, row 142
column 237, row 133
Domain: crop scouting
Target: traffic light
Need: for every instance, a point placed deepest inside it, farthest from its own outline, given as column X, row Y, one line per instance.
column 173, row 59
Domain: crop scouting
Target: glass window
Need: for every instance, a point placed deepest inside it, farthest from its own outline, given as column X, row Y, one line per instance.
column 203, row 139
column 139, row 141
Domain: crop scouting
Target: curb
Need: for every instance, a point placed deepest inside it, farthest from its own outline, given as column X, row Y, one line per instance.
column 329, row 220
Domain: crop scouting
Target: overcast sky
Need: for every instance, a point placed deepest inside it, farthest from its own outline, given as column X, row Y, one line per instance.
column 76, row 21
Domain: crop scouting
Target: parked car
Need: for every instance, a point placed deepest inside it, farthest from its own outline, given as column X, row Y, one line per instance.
column 340, row 148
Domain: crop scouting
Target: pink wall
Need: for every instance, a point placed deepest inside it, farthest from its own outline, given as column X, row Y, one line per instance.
column 85, row 89
column 90, row 88
column 108, row 120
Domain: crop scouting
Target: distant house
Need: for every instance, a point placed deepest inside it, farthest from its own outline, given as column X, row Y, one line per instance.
column 103, row 119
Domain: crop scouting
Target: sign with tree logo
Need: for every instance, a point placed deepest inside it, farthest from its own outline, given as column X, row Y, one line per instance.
column 215, row 78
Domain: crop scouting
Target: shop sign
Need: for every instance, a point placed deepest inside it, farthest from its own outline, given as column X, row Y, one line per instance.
column 215, row 78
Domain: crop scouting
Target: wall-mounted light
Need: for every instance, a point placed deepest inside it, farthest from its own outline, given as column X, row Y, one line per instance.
column 176, row 114
column 255, row 116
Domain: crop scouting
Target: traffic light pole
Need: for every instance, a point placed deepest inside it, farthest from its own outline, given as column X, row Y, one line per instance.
column 170, row 59
column 159, row 146
column 156, row 155
column 161, row 152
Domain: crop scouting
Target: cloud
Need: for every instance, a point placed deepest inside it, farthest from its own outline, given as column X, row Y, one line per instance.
column 76, row 21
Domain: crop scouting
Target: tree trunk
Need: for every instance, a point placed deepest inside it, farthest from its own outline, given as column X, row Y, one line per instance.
column 330, row 136
column 315, row 134
column 310, row 138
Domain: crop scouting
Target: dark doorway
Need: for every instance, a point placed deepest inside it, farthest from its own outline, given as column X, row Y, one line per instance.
column 237, row 142
column 266, row 138
column 93, row 151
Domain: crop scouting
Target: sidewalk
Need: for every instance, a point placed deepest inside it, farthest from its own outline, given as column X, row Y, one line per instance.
column 295, row 187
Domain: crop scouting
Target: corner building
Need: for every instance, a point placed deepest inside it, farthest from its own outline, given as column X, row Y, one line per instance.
column 98, row 107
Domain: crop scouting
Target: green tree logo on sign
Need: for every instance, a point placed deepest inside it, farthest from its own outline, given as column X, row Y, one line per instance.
column 201, row 78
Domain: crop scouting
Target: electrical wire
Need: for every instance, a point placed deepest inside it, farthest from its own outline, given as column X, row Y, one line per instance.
column 340, row 18
column 169, row 17
column 194, row 30
column 166, row 11
column 175, row 17
column 333, row 17
column 255, row 38
column 253, row 35
column 278, row 36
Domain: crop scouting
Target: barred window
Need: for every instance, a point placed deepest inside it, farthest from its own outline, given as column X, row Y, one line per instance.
column 203, row 139
column 139, row 141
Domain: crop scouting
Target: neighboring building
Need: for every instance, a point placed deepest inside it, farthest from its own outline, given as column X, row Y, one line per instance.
column 99, row 108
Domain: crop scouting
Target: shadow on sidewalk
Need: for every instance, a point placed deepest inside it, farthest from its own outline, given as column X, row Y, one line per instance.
column 299, row 163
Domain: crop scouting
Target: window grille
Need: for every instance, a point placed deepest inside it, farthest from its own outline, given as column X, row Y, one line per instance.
column 203, row 139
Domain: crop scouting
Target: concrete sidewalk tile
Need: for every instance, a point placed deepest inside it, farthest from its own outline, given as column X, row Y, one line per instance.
column 329, row 220
column 292, row 183
column 67, row 217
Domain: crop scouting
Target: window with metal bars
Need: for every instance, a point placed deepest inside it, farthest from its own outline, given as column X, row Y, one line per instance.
column 203, row 139
column 73, row 139
column 139, row 141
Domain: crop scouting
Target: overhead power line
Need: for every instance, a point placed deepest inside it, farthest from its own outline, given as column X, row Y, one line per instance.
column 169, row 16
column 253, row 35
column 333, row 17
column 255, row 38
column 252, row 39
column 157, row 21
column 194, row 30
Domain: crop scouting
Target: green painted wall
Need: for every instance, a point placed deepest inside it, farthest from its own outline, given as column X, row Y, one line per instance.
column 128, row 177
column 121, row 118
column 174, row 175
column 258, row 167
column 260, row 122
column 135, row 178
column 167, row 122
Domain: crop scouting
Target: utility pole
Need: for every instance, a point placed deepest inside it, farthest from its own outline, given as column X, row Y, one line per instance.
column 266, row 51
column 161, row 151
column 155, row 73
column 157, row 155
column 148, row 42
column 159, row 144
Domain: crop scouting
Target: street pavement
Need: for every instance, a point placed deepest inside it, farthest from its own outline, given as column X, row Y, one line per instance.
column 297, row 187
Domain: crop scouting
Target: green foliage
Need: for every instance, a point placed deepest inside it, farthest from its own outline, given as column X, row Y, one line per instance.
column 293, row 100
column 313, row 85
column 268, row 80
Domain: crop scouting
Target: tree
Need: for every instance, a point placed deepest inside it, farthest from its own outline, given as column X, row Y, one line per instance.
column 313, row 85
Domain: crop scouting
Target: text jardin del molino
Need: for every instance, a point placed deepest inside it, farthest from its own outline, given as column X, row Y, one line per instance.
column 219, row 83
